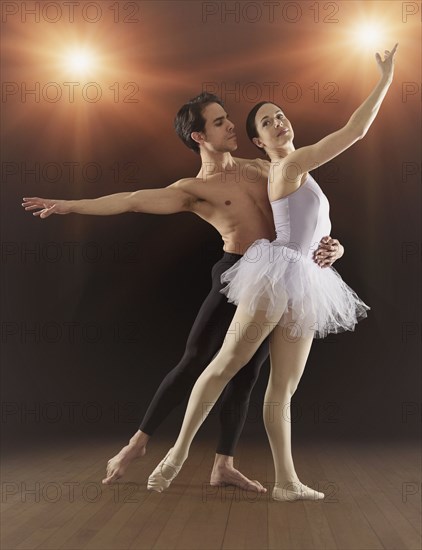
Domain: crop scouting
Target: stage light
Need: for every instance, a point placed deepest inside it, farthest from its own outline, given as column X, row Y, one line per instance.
column 80, row 61
column 369, row 35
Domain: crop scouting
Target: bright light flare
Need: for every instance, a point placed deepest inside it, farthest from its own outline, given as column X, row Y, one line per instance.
column 369, row 35
column 80, row 61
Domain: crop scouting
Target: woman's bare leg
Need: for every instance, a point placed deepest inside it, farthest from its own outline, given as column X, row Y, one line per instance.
column 288, row 359
column 243, row 338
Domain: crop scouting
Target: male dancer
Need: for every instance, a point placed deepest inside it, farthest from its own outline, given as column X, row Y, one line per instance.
column 230, row 194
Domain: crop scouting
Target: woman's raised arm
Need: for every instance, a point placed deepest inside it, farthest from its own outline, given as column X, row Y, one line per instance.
column 310, row 157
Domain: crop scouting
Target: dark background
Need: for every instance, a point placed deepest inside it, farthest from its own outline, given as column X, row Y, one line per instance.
column 96, row 310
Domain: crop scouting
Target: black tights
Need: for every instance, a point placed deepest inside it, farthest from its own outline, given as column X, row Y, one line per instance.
column 205, row 339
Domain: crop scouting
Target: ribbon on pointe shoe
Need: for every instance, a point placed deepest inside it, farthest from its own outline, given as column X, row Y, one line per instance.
column 156, row 481
column 303, row 492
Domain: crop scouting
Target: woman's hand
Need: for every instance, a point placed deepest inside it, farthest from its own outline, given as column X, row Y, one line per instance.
column 387, row 66
column 46, row 207
column 329, row 250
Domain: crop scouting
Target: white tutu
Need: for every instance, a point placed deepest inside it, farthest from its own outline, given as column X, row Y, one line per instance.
column 292, row 290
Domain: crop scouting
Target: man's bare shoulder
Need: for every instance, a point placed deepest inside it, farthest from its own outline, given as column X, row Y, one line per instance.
column 255, row 160
column 263, row 162
column 260, row 164
column 186, row 184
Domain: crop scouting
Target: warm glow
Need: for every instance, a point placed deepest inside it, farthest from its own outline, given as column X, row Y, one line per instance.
column 369, row 35
column 80, row 61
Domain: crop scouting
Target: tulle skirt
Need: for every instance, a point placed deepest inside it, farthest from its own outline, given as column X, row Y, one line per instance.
column 292, row 290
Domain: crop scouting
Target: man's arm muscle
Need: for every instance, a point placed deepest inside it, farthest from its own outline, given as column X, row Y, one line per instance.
column 175, row 198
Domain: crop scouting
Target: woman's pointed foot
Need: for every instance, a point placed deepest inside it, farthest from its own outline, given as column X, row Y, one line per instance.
column 295, row 490
column 163, row 475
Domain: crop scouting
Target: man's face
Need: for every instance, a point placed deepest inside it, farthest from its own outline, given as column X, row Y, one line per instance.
column 219, row 135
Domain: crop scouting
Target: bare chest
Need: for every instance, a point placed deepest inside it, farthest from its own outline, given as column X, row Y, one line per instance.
column 231, row 193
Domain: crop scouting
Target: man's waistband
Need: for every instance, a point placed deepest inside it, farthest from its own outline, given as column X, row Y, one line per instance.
column 230, row 256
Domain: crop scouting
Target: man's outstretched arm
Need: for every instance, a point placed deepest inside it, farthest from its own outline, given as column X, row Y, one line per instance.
column 169, row 200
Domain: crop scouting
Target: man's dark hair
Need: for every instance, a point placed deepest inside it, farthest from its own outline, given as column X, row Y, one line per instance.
column 251, row 129
column 189, row 118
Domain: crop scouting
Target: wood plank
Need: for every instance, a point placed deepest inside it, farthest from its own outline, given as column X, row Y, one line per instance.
column 199, row 517
column 392, row 487
column 364, row 507
column 247, row 526
column 33, row 514
column 350, row 528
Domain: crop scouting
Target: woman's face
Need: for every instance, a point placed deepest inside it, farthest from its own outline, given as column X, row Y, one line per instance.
column 273, row 128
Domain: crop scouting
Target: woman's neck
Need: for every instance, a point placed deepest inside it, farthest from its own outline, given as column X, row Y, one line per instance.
column 279, row 154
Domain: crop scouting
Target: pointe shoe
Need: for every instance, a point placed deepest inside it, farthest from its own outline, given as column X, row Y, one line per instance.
column 156, row 481
column 299, row 491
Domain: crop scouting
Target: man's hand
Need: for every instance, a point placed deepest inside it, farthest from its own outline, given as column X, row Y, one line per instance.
column 329, row 250
column 45, row 207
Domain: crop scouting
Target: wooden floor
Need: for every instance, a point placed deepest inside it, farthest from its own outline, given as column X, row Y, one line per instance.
column 52, row 498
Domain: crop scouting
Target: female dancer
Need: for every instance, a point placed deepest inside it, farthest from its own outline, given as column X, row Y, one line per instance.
column 279, row 289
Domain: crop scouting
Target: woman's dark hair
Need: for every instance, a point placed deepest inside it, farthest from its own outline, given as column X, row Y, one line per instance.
column 251, row 129
column 189, row 118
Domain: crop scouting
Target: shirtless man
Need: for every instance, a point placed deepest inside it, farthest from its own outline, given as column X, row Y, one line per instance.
column 231, row 194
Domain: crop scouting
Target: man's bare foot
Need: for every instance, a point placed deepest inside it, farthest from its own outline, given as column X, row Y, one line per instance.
column 226, row 474
column 116, row 466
